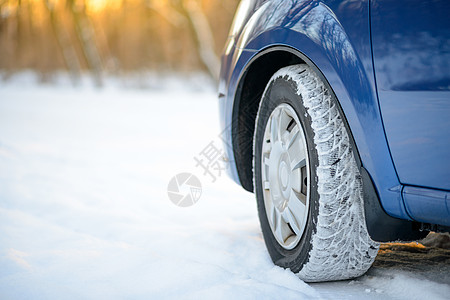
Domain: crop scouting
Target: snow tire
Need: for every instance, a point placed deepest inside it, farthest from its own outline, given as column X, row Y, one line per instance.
column 335, row 244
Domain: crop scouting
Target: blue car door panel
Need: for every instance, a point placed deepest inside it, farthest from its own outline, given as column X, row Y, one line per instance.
column 411, row 51
column 411, row 54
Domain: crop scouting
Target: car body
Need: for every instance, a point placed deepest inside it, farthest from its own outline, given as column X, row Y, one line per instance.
column 388, row 65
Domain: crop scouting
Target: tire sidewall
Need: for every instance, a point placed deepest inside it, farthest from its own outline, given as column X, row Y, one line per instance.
column 284, row 90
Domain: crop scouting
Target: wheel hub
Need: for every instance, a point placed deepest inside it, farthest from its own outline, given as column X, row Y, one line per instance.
column 280, row 176
column 283, row 175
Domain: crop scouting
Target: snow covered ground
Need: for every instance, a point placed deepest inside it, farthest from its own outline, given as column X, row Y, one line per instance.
column 85, row 214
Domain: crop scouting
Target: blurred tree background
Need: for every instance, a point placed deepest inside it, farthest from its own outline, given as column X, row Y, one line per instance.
column 113, row 36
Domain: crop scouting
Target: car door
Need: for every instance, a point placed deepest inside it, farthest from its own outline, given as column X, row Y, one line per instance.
column 411, row 56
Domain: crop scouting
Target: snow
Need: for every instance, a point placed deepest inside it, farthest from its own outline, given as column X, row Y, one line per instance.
column 84, row 210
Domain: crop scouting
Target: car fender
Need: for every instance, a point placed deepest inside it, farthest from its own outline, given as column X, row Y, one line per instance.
column 312, row 30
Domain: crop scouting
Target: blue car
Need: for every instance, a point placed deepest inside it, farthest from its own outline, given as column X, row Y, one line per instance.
column 336, row 115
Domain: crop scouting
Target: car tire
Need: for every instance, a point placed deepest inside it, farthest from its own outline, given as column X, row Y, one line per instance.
column 310, row 199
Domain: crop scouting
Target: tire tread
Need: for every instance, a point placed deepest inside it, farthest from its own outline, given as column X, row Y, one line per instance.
column 341, row 246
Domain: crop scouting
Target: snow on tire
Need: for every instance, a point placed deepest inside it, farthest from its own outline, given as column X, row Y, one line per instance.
column 315, row 227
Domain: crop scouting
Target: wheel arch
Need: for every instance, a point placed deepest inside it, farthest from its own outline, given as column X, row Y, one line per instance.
column 250, row 88
column 248, row 94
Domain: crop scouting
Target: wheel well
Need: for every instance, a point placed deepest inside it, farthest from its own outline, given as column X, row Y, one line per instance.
column 252, row 84
column 248, row 96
